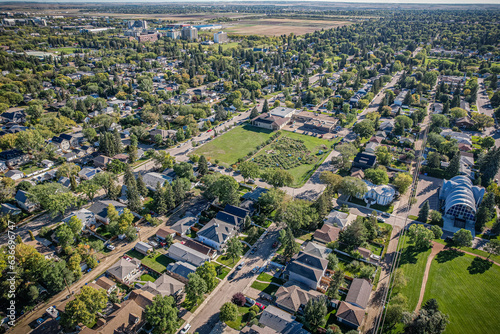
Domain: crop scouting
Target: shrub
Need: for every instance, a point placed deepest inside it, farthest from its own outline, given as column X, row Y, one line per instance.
column 238, row 299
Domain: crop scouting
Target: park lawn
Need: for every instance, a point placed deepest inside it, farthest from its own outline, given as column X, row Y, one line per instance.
column 235, row 144
column 413, row 266
column 158, row 262
column 467, row 290
column 64, row 49
column 268, row 288
column 495, row 258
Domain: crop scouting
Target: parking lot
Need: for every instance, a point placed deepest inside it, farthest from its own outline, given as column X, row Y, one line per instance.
column 427, row 190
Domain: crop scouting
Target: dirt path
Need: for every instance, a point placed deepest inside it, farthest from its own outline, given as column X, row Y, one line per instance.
column 436, row 248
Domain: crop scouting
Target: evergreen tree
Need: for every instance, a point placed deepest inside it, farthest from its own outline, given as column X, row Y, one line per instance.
column 141, row 186
column 265, row 107
column 178, row 191
column 73, row 182
column 423, row 214
column 168, row 196
column 159, row 200
column 254, row 113
column 454, row 166
column 202, row 166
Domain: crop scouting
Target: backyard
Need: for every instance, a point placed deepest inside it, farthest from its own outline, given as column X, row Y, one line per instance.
column 466, row 289
column 235, row 144
column 157, row 261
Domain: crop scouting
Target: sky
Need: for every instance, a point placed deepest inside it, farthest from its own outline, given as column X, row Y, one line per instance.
column 352, row 1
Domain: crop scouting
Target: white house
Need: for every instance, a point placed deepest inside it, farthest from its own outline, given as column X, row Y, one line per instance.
column 378, row 194
column 86, row 217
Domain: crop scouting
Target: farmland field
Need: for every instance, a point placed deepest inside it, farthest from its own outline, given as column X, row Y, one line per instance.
column 277, row 27
column 466, row 289
column 235, row 144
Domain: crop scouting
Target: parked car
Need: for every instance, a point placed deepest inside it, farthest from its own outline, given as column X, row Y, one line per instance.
column 240, row 265
column 251, row 181
column 154, row 244
column 261, row 306
column 386, row 215
column 255, row 269
column 185, row 329
column 231, row 276
column 253, row 250
column 249, row 301
column 381, row 220
column 110, row 247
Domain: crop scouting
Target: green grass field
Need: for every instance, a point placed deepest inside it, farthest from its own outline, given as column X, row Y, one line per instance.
column 265, row 287
column 466, row 289
column 66, row 50
column 235, row 144
column 413, row 266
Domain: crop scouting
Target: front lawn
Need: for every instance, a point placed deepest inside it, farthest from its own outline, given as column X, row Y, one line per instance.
column 235, row 144
column 265, row 277
column 242, row 313
column 223, row 271
column 158, row 262
column 227, row 261
column 268, row 288
column 466, row 289
column 384, row 208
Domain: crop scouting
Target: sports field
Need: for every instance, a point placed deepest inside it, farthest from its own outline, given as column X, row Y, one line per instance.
column 466, row 289
column 235, row 144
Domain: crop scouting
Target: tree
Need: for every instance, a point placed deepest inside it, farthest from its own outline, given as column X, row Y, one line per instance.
column 75, row 225
column 90, row 134
column 439, row 121
column 352, row 186
column 402, row 181
column 453, row 168
column 238, row 299
column 482, row 121
column 436, row 217
column 249, row 170
column 228, row 312
column 462, row 238
column 401, row 124
column 420, row 236
column 364, row 129
column 277, row 177
column 89, row 188
column 423, row 214
column 265, row 107
column 67, row 170
column 290, row 247
column 234, row 249
column 438, row 232
column 65, row 235
column 333, row 261
column 208, row 273
column 354, row 235
column 195, row 288
column 202, row 166
column 346, row 151
column 384, row 157
column 164, row 159
column 53, row 275
column 335, row 283
column 315, row 313
column 163, row 315
column 487, row 142
column 331, row 179
column 254, row 113
column 270, row 200
column 298, row 214
column 428, row 320
column 85, row 306
column 492, row 247
column 222, row 186
column 377, row 175
column 457, row 113
column 434, row 160
column 141, row 186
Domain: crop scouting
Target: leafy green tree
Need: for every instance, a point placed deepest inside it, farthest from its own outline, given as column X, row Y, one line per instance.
column 401, row 124
column 384, row 157
column 163, row 315
column 402, row 181
column 453, row 168
column 222, row 186
column 270, row 200
column 208, row 273
column 89, row 188
column 234, row 249
column 75, row 225
column 462, row 238
column 65, row 235
column 354, row 235
column 85, row 306
column 438, row 232
column 333, row 261
column 54, row 274
column 249, row 170
column 228, row 312
column 352, row 186
column 331, row 179
column 420, row 236
column 164, row 159
column 377, row 175
column 141, row 186
column 335, row 283
column 195, row 288
column 277, row 177
column 298, row 214
column 347, row 151
column 364, row 129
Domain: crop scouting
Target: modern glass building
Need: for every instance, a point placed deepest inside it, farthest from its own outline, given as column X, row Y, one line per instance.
column 461, row 200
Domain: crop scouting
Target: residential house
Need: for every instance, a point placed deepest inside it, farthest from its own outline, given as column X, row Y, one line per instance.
column 380, row 194
column 165, row 134
column 216, row 234
column 24, row 203
column 180, row 252
column 281, row 321
column 3, row 167
column 163, row 232
column 47, row 163
column 165, row 285
column 465, row 122
column 124, row 269
column 74, row 139
column 371, row 147
column 180, row 270
column 143, row 248
column 88, row 173
column 106, row 284
column 255, row 194
column 316, row 249
column 401, row 97
column 387, row 126
column 461, row 137
column 85, row 216
column 9, row 209
column 292, row 298
column 152, row 179
column 102, row 161
column 183, row 227
column 13, row 158
column 100, row 209
column 337, row 218
column 14, row 174
column 364, row 160
column 359, row 293
column 307, row 269
column 70, row 156
column 199, row 247
column 350, row 315
column 61, row 143
column 326, row 234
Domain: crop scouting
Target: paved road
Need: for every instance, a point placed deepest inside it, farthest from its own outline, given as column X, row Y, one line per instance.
column 207, row 315
column 377, row 99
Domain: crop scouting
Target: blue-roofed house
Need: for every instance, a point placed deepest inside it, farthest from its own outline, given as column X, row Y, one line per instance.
column 180, row 270
column 88, row 173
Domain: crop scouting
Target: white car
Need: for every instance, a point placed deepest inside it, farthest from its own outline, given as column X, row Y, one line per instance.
column 185, row 329
column 110, row 247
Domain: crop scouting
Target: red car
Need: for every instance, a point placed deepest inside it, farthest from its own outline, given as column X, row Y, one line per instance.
column 260, row 306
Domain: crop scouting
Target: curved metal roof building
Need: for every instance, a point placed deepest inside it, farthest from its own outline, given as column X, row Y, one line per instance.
column 461, row 197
